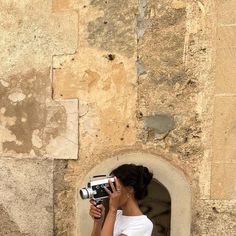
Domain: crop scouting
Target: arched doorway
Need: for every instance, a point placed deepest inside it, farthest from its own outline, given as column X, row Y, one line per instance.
column 169, row 177
column 157, row 206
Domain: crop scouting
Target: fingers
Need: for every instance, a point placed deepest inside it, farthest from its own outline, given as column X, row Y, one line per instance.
column 107, row 190
column 117, row 185
column 93, row 202
column 96, row 211
column 112, row 186
column 95, row 214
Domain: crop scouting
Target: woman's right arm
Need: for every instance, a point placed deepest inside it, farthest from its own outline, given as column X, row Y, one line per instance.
column 97, row 213
column 96, row 229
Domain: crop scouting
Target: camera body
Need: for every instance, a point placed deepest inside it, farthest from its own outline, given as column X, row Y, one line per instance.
column 95, row 188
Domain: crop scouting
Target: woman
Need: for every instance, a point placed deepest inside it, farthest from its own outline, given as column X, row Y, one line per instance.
column 131, row 183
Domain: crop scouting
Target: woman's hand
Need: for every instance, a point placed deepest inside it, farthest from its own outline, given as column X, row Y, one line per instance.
column 114, row 195
column 96, row 212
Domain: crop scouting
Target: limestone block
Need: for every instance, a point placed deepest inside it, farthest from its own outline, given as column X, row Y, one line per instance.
column 26, row 197
column 28, row 40
column 226, row 12
column 61, row 130
column 223, row 181
column 225, row 70
column 226, row 36
column 224, row 130
column 102, row 75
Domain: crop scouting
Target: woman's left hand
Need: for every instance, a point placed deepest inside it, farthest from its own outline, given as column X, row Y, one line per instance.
column 114, row 195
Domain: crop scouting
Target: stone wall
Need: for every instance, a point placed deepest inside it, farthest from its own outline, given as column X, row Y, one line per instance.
column 82, row 81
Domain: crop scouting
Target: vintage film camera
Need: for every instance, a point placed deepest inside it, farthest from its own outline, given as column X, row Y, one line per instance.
column 95, row 188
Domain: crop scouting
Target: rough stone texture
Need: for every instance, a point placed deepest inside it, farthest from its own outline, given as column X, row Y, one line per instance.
column 26, row 197
column 217, row 219
column 8, row 226
column 113, row 30
column 165, row 87
column 64, row 200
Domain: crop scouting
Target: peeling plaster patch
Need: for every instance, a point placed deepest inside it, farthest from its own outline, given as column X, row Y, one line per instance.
column 7, row 121
column 16, row 97
column 36, row 140
column 23, row 119
column 6, row 136
column 2, row 110
column 4, row 83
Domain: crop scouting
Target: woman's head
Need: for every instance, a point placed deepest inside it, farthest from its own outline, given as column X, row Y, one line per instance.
column 134, row 177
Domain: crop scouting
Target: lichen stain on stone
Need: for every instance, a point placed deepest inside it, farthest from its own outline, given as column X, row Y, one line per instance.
column 7, row 226
column 115, row 30
column 28, row 112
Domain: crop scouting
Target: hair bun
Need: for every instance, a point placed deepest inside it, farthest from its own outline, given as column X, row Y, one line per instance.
column 145, row 175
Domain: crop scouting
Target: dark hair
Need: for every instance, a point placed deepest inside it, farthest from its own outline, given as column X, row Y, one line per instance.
column 136, row 176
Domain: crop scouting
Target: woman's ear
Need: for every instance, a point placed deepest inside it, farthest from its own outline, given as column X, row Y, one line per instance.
column 130, row 190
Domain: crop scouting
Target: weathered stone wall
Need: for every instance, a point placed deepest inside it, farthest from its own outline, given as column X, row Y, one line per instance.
column 85, row 80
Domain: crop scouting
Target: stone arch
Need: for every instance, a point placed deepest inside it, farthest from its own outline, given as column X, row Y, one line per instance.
column 172, row 178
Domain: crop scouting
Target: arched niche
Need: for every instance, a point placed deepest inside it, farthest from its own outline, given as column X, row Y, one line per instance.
column 172, row 178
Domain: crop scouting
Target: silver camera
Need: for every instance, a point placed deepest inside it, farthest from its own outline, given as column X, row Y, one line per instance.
column 95, row 188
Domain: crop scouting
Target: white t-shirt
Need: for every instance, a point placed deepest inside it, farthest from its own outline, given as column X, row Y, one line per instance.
column 132, row 225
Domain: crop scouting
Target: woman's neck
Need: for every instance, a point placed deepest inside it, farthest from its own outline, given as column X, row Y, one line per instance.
column 131, row 208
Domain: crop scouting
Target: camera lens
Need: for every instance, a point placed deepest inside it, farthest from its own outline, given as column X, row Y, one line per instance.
column 84, row 194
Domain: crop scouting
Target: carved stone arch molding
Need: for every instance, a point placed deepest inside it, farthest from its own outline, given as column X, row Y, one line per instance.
column 172, row 178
